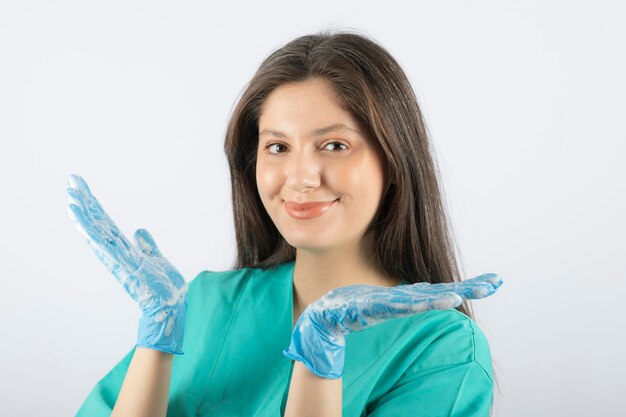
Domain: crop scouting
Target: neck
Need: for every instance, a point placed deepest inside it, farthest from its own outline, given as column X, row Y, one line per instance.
column 317, row 272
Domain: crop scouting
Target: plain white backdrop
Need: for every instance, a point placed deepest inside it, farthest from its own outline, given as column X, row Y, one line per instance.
column 525, row 104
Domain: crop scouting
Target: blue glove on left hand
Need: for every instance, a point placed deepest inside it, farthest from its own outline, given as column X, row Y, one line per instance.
column 150, row 279
column 318, row 339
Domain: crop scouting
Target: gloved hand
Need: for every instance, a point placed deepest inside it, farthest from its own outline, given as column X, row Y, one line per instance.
column 149, row 278
column 318, row 339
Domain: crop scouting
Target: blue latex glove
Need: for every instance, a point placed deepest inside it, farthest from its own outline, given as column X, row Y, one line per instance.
column 318, row 339
column 149, row 278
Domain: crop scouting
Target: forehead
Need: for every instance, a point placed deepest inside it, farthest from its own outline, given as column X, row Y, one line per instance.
column 309, row 105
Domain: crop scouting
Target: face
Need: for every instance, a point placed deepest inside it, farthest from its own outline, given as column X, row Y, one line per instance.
column 300, row 161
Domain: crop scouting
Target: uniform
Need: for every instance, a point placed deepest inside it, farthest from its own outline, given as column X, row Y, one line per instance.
column 431, row 364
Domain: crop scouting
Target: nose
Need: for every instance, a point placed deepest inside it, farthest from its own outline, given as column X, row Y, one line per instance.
column 302, row 173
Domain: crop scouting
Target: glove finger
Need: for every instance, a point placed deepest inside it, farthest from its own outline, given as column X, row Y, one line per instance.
column 479, row 287
column 90, row 203
column 494, row 279
column 445, row 301
column 157, row 273
column 75, row 212
column 433, row 288
column 376, row 305
column 145, row 242
column 413, row 303
column 357, row 317
column 77, row 182
column 101, row 233
column 84, row 225
column 99, row 228
column 96, row 245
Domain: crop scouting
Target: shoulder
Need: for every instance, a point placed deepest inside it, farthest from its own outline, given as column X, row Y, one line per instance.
column 447, row 338
column 438, row 365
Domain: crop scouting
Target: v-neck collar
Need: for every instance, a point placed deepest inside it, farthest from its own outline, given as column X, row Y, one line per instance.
column 288, row 271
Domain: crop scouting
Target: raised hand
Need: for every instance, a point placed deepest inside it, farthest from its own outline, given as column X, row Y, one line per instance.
column 318, row 339
column 150, row 279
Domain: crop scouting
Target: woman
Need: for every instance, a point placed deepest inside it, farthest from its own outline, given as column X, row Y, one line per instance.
column 344, row 263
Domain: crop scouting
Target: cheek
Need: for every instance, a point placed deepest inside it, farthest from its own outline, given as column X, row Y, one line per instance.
column 267, row 180
column 363, row 181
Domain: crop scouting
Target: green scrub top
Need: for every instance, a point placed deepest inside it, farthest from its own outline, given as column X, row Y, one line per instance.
column 435, row 363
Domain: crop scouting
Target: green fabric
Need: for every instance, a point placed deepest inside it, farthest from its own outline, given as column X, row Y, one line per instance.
column 431, row 364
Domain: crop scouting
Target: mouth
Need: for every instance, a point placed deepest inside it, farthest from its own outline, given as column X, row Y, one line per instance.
column 308, row 210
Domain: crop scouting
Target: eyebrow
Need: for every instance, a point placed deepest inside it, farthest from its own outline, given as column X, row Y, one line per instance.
column 317, row 132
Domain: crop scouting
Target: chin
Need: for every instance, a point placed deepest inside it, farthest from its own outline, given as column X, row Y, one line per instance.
column 307, row 242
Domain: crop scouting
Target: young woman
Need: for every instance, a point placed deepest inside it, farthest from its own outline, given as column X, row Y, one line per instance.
column 345, row 298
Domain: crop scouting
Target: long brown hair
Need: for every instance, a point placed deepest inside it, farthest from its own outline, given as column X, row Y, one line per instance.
column 411, row 231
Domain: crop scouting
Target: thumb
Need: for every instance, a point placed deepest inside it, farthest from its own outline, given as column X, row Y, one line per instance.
column 145, row 242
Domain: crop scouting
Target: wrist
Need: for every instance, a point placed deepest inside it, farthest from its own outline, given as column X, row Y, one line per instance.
column 320, row 350
column 163, row 330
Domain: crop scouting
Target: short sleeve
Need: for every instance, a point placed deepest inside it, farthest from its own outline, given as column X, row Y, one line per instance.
column 102, row 398
column 459, row 390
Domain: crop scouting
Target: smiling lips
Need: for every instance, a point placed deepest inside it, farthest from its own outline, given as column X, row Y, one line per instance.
column 307, row 210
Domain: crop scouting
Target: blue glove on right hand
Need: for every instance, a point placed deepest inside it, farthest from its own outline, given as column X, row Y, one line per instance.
column 318, row 338
column 149, row 278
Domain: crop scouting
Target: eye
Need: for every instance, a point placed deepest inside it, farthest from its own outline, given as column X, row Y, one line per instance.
column 272, row 144
column 336, row 142
column 329, row 143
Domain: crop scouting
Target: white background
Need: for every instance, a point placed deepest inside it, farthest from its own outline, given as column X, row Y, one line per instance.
column 525, row 104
